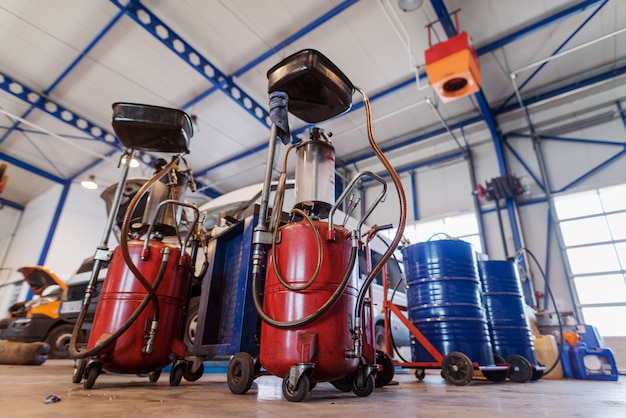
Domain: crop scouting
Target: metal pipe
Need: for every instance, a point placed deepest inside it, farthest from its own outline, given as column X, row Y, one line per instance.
column 569, row 51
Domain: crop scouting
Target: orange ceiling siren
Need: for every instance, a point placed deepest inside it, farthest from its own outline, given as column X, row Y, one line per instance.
column 452, row 66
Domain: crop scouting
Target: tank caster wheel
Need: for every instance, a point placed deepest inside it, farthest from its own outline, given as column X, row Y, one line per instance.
column 366, row 389
column 520, row 370
column 191, row 376
column 420, row 374
column 299, row 392
column 385, row 374
column 154, row 375
column 92, row 374
column 176, row 375
column 240, row 373
column 537, row 374
column 79, row 370
column 344, row 384
column 457, row 368
column 496, row 376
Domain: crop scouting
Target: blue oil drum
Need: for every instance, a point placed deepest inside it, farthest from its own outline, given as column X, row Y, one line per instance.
column 504, row 302
column 444, row 300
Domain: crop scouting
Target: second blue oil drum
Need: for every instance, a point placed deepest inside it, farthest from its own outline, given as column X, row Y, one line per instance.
column 444, row 300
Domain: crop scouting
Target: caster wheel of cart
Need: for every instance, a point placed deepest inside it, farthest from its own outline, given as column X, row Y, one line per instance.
column 92, row 374
column 457, row 368
column 344, row 384
column 385, row 374
column 497, row 376
column 240, row 373
column 520, row 370
column 154, row 375
column 366, row 389
column 176, row 375
column 420, row 374
column 299, row 392
column 193, row 376
column 79, row 370
column 537, row 374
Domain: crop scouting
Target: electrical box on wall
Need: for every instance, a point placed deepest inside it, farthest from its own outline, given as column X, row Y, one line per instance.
column 452, row 68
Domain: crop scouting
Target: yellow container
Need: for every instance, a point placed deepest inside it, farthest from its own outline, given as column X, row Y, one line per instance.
column 547, row 352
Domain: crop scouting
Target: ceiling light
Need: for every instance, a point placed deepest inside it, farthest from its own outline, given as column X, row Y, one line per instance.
column 409, row 5
column 90, row 183
column 133, row 162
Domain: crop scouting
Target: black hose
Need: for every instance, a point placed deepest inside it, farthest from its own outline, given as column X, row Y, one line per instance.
column 393, row 294
column 558, row 316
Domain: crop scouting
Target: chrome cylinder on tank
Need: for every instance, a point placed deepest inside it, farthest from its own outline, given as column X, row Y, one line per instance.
column 169, row 216
column 315, row 175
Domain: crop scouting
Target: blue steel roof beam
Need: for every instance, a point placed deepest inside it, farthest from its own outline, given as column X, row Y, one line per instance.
column 542, row 24
column 428, row 135
column 450, row 29
column 594, row 170
column 489, row 118
column 276, row 48
column 37, row 132
column 621, row 112
column 31, row 168
column 83, row 54
column 380, row 95
column 522, row 162
column 150, row 22
column 616, row 72
column 46, row 105
column 435, row 160
column 548, row 21
column 536, row 99
column 4, row 202
column 556, row 51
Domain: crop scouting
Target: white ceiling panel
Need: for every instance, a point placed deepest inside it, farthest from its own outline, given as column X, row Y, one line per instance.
column 87, row 55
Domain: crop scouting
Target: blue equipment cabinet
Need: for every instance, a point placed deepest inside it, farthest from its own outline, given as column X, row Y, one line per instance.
column 227, row 320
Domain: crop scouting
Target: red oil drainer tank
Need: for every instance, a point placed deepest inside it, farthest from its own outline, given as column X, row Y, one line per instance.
column 122, row 293
column 324, row 341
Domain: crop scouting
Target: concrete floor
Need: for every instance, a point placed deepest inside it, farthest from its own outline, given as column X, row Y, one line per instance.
column 24, row 388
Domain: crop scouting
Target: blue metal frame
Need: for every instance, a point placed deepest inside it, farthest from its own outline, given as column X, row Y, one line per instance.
column 53, row 225
column 225, row 82
column 416, row 216
column 5, row 202
column 584, row 176
column 411, row 167
column 203, row 66
column 556, row 51
column 534, row 27
column 276, row 48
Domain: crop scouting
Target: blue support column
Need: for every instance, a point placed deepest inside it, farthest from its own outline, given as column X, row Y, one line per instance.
column 530, row 29
column 513, row 215
column 416, row 215
column 53, row 225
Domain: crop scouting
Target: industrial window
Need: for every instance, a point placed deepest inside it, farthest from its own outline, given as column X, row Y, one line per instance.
column 593, row 227
column 463, row 227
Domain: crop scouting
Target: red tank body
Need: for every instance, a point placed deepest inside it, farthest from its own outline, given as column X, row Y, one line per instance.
column 122, row 293
column 325, row 340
